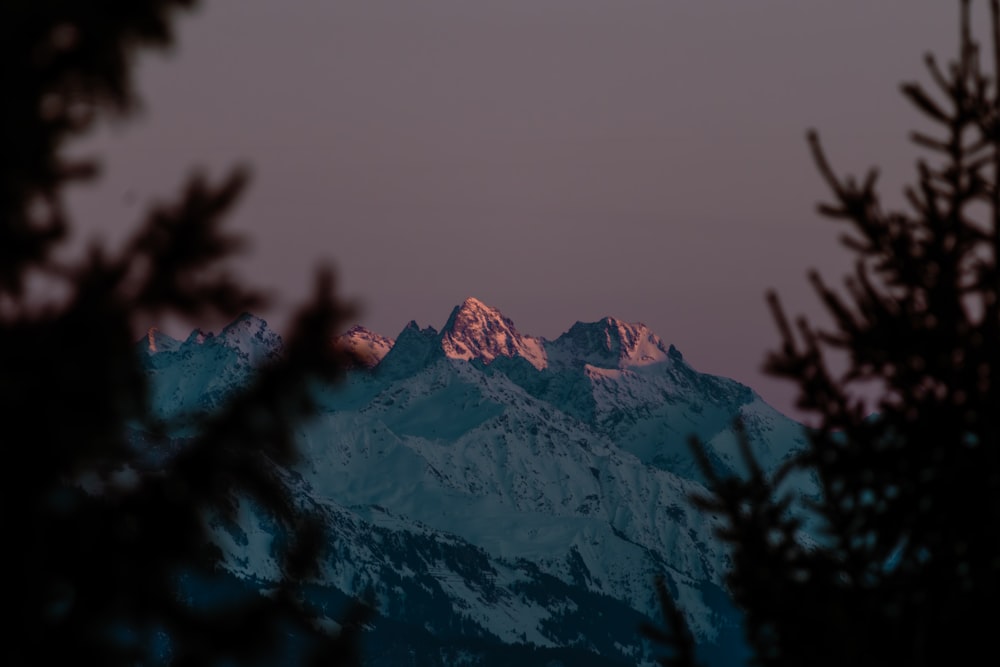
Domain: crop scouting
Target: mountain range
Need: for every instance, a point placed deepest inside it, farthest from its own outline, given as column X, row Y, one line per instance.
column 506, row 499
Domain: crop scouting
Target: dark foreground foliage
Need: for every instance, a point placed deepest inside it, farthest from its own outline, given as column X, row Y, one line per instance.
column 99, row 547
column 907, row 568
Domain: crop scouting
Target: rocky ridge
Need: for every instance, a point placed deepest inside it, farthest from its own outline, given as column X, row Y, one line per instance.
column 494, row 487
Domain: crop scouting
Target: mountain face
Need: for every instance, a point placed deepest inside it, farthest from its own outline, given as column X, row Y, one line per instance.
column 508, row 499
column 197, row 374
column 367, row 347
column 476, row 331
column 609, row 343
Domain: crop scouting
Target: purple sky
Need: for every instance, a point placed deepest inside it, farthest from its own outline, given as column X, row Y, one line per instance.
column 559, row 159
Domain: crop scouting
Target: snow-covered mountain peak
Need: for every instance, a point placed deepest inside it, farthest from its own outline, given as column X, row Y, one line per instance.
column 366, row 346
column 247, row 322
column 477, row 331
column 250, row 336
column 197, row 337
column 610, row 343
column 157, row 341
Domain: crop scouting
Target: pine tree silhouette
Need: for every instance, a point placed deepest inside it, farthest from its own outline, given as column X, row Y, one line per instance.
column 907, row 568
column 100, row 545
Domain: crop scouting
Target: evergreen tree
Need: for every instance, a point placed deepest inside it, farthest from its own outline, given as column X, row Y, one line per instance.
column 100, row 544
column 906, row 570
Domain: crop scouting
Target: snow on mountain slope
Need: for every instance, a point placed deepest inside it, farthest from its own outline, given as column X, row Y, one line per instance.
column 653, row 410
column 502, row 486
column 251, row 338
column 201, row 372
column 609, row 343
column 444, row 586
column 477, row 456
column 368, row 347
column 193, row 378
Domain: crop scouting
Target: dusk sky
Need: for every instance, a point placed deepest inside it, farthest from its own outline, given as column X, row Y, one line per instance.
column 561, row 160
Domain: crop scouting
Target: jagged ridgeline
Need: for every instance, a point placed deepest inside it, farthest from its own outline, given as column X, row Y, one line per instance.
column 506, row 499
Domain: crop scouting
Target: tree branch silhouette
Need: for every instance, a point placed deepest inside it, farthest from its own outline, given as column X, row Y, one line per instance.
column 108, row 546
column 905, row 567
